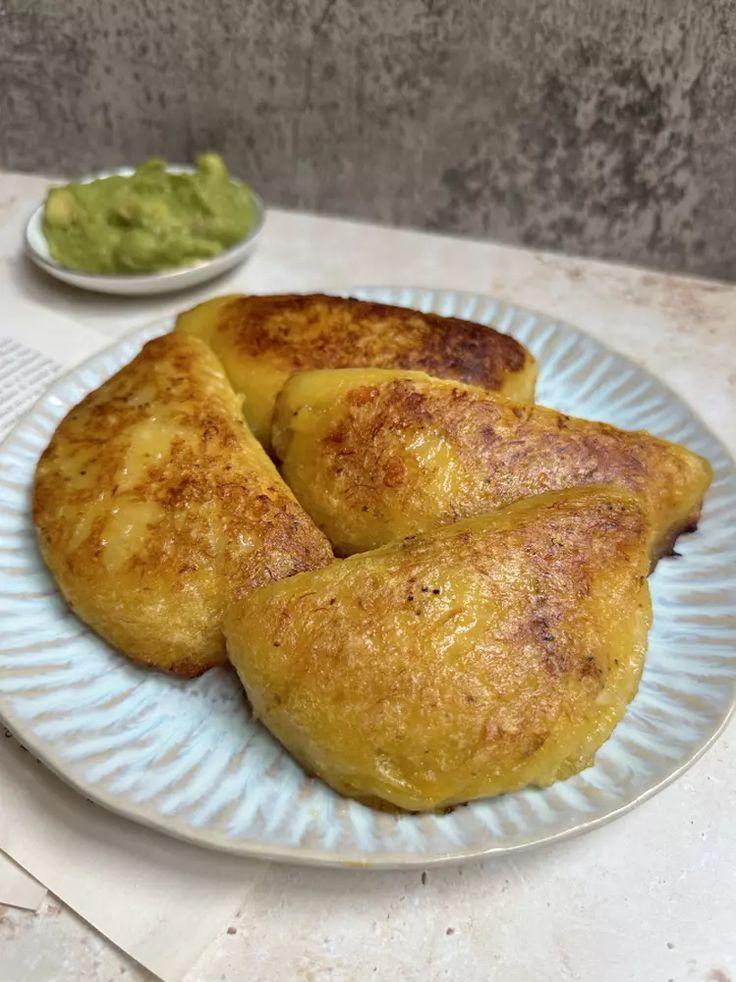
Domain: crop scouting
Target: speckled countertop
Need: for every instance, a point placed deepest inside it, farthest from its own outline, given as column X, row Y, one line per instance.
column 650, row 897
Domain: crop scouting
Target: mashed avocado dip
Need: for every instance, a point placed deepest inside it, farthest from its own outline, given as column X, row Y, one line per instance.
column 149, row 221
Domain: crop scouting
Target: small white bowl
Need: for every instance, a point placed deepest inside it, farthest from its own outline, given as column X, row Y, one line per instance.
column 165, row 281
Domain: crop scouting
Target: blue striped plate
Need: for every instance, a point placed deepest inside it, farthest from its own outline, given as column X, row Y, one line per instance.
column 184, row 756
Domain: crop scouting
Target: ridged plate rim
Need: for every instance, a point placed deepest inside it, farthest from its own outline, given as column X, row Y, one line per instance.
column 489, row 827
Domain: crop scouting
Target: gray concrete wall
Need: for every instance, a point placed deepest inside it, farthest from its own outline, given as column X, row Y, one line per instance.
column 603, row 127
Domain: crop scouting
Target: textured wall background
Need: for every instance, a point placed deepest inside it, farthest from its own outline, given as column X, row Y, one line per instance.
column 605, row 127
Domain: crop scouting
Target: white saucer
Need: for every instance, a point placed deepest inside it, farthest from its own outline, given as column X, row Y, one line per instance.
column 37, row 248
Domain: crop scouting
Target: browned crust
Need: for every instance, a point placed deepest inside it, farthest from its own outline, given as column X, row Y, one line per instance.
column 363, row 668
column 301, row 331
column 504, row 450
column 666, row 543
column 225, row 523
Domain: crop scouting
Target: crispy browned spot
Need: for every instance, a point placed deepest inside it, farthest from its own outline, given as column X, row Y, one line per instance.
column 356, row 333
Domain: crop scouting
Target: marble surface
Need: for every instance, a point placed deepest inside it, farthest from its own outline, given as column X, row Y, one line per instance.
column 649, row 897
column 601, row 128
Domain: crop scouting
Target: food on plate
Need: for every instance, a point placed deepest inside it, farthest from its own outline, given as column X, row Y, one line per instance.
column 151, row 220
column 262, row 340
column 489, row 626
column 376, row 455
column 480, row 658
column 155, row 506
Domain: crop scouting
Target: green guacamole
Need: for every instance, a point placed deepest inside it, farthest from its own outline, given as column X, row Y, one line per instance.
column 149, row 221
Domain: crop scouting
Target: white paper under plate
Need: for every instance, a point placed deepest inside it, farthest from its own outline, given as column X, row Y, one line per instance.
column 185, row 757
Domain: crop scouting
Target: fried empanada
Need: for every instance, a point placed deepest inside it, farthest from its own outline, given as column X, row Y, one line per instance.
column 262, row 340
column 485, row 656
column 377, row 455
column 155, row 506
